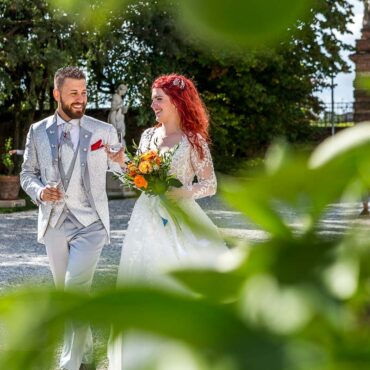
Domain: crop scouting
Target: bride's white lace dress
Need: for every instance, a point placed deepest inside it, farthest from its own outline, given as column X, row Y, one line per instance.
column 153, row 246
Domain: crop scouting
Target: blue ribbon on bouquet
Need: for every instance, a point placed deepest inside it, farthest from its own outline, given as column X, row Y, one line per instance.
column 165, row 214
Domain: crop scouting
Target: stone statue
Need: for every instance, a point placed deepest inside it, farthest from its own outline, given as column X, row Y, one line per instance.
column 366, row 21
column 117, row 111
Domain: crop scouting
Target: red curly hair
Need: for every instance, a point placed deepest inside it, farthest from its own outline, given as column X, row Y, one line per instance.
column 192, row 111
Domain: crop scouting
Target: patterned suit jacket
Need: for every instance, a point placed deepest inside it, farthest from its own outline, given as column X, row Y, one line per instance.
column 42, row 151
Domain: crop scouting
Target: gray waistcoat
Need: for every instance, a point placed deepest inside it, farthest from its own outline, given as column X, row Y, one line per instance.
column 75, row 200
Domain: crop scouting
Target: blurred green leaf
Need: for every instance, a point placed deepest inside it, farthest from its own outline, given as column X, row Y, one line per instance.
column 215, row 285
column 203, row 325
column 362, row 81
column 246, row 196
column 293, row 261
column 343, row 147
column 239, row 22
column 90, row 13
column 306, row 186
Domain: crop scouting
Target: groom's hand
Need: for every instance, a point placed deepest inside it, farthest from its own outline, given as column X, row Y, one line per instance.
column 118, row 157
column 50, row 194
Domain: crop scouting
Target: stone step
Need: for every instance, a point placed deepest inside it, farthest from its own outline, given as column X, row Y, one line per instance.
column 12, row 203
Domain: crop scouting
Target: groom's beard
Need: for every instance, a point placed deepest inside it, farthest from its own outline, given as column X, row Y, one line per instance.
column 70, row 111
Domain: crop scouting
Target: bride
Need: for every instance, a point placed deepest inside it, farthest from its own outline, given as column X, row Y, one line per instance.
column 154, row 243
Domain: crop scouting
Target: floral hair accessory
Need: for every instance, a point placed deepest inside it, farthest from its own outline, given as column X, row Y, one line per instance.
column 179, row 82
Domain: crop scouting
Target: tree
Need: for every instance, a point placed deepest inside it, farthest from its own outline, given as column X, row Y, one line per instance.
column 253, row 95
column 35, row 41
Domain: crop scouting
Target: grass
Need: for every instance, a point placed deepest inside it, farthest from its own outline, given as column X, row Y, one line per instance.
column 328, row 124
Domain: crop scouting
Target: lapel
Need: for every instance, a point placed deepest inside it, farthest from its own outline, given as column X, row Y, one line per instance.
column 85, row 137
column 52, row 132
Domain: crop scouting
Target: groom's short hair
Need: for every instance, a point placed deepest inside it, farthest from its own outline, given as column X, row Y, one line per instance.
column 67, row 72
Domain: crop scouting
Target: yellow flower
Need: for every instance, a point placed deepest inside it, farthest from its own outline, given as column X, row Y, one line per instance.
column 145, row 167
column 132, row 169
column 140, row 182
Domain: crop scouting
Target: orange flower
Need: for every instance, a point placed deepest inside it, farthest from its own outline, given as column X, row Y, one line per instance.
column 148, row 155
column 140, row 182
column 145, row 167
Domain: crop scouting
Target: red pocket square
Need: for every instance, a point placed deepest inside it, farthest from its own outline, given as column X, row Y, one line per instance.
column 97, row 145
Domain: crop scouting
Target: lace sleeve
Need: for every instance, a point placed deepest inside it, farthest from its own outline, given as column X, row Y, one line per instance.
column 145, row 139
column 203, row 169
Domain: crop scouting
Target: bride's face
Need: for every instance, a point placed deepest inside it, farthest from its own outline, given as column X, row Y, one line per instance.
column 164, row 110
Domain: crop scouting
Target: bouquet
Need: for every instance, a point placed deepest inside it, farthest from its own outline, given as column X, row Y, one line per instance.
column 149, row 172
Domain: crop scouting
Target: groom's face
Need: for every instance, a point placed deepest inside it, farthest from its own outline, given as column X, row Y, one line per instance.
column 71, row 98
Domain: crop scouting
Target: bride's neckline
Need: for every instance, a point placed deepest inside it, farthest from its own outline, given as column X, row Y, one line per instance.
column 155, row 138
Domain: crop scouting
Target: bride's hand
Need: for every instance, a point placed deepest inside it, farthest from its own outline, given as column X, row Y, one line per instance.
column 118, row 157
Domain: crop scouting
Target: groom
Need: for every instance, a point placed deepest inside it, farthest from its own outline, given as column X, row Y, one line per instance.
column 73, row 220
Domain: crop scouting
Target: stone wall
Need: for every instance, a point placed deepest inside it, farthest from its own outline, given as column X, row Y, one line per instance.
column 361, row 58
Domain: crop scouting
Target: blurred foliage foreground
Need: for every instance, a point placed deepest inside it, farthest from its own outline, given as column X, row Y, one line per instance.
column 296, row 301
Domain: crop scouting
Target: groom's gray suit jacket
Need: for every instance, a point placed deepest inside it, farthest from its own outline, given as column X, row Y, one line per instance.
column 42, row 151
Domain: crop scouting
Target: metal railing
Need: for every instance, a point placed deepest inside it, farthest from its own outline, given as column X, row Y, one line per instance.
column 335, row 116
column 343, row 112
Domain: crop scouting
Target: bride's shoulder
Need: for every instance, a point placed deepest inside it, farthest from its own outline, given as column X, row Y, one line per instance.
column 147, row 133
column 201, row 140
column 146, row 138
column 149, row 130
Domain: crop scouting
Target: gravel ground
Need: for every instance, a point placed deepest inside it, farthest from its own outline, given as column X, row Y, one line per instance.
column 23, row 260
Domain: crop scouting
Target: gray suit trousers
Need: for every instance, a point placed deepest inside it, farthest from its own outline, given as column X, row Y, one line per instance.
column 73, row 251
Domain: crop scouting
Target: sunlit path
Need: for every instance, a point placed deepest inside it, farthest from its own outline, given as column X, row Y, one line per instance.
column 23, row 260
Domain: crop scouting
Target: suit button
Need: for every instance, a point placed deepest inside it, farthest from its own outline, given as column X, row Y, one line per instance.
column 82, row 164
column 85, row 149
column 53, row 145
column 51, row 132
column 86, row 136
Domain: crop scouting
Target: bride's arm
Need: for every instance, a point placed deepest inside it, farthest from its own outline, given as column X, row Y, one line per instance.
column 203, row 169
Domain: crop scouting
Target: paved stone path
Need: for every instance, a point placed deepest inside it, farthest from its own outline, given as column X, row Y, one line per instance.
column 23, row 260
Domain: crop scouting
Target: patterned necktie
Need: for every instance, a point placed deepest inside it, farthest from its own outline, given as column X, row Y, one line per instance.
column 66, row 147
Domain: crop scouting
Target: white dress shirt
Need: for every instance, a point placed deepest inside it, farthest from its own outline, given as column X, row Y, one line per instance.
column 75, row 130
